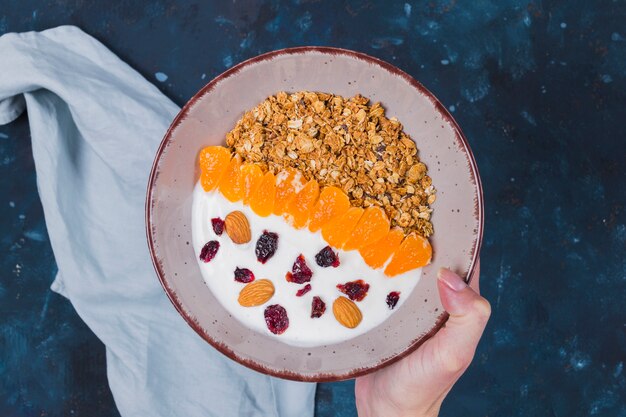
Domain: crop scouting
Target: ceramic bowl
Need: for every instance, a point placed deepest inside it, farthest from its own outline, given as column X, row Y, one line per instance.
column 214, row 110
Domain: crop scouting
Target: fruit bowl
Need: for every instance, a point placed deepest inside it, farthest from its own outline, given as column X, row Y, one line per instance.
column 214, row 110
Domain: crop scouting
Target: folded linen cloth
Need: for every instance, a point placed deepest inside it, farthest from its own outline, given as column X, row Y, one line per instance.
column 95, row 125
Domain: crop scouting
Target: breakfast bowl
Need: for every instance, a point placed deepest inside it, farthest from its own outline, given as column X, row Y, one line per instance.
column 457, row 216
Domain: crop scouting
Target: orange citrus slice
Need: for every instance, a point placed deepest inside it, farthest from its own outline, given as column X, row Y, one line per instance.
column 377, row 253
column 337, row 231
column 299, row 207
column 262, row 198
column 333, row 202
column 251, row 177
column 414, row 252
column 230, row 184
column 288, row 183
column 213, row 161
column 372, row 227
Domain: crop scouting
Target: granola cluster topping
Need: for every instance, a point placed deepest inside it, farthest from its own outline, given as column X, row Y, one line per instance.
column 340, row 142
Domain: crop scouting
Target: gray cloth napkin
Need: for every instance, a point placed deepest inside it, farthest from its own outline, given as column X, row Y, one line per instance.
column 96, row 124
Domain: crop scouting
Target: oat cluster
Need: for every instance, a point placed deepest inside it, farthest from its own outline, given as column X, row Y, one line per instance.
column 343, row 142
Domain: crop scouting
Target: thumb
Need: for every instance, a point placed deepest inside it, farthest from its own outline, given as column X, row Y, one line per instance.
column 469, row 313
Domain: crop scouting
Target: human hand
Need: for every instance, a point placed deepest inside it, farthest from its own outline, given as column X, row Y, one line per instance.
column 416, row 385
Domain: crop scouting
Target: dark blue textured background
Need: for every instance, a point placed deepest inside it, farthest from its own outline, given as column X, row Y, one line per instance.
column 539, row 89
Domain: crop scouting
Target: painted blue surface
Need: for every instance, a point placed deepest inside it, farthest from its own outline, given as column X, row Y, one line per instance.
column 539, row 89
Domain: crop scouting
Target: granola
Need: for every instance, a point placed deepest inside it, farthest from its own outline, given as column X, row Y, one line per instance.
column 341, row 142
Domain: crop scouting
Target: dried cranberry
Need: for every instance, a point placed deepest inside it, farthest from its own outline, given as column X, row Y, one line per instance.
column 300, row 271
column 355, row 290
column 218, row 225
column 209, row 250
column 266, row 246
column 303, row 290
column 243, row 275
column 276, row 318
column 392, row 299
column 318, row 307
column 327, row 257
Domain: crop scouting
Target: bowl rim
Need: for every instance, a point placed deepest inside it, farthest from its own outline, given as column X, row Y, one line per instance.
column 333, row 51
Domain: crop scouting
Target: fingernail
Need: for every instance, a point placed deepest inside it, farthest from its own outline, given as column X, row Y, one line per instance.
column 451, row 279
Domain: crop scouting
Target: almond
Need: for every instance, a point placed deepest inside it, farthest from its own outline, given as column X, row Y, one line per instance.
column 237, row 227
column 256, row 293
column 347, row 313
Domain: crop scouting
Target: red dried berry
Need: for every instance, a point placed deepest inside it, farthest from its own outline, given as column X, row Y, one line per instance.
column 300, row 271
column 303, row 290
column 318, row 307
column 209, row 250
column 218, row 225
column 392, row 299
column 243, row 275
column 266, row 246
column 355, row 290
column 276, row 318
column 327, row 257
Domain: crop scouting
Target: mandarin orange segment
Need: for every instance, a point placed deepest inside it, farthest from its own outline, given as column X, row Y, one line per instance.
column 299, row 208
column 414, row 252
column 230, row 184
column 372, row 227
column 207, row 181
column 213, row 161
column 262, row 198
column 251, row 177
column 288, row 183
column 376, row 254
column 337, row 231
column 333, row 202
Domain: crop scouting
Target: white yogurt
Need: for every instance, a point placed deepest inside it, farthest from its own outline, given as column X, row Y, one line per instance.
column 303, row 330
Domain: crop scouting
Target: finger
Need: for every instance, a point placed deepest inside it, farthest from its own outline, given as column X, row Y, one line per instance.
column 469, row 313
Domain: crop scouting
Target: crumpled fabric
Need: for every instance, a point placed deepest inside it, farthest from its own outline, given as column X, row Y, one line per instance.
column 95, row 125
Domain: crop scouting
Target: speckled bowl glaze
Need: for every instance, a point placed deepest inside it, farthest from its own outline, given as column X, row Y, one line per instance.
column 214, row 110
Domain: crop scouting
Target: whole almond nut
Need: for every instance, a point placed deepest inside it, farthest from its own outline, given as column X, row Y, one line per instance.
column 347, row 313
column 237, row 227
column 256, row 293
